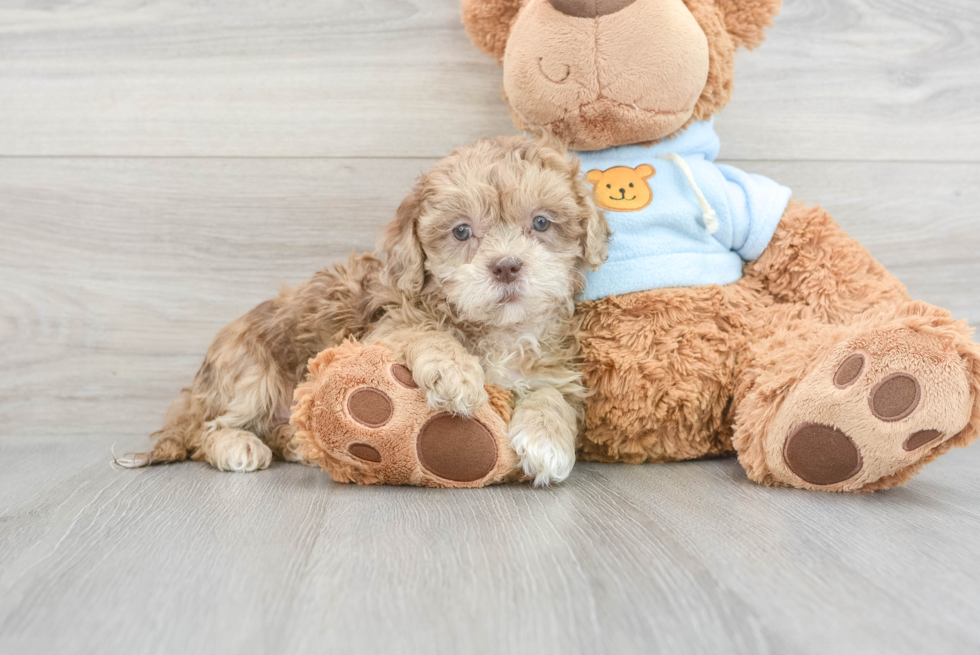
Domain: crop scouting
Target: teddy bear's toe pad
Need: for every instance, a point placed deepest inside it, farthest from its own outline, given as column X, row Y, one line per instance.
column 919, row 439
column 821, row 454
column 365, row 452
column 456, row 448
column 849, row 371
column 370, row 407
column 403, row 376
column 895, row 397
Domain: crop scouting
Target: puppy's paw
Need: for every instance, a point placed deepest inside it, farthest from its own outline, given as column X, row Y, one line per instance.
column 240, row 451
column 542, row 457
column 451, row 384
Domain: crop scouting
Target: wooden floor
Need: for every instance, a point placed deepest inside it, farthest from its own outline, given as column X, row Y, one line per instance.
column 167, row 164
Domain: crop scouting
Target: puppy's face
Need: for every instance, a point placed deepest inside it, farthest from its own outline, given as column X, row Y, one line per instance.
column 501, row 230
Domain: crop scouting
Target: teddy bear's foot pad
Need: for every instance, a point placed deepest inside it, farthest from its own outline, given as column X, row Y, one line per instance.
column 456, row 448
column 363, row 418
column 821, row 454
column 878, row 403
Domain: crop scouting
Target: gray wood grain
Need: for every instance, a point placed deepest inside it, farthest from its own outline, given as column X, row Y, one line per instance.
column 167, row 164
column 881, row 79
column 685, row 558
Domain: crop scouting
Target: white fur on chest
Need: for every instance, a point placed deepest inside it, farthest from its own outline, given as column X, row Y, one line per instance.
column 510, row 362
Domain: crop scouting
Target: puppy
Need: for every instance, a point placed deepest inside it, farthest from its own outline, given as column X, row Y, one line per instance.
column 473, row 282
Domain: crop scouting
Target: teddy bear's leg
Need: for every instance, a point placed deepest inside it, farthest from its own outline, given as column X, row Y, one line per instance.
column 812, row 261
column 661, row 368
column 855, row 407
column 361, row 416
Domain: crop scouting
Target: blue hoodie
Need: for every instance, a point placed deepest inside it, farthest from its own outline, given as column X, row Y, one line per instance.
column 701, row 223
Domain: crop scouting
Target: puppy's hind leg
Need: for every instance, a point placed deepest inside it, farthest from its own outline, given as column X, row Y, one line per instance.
column 170, row 441
column 284, row 446
column 233, row 449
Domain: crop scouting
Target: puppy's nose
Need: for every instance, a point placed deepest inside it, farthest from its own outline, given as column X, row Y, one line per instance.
column 507, row 269
column 589, row 8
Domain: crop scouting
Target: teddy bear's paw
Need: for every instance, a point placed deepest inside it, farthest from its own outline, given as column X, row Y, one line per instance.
column 877, row 404
column 367, row 421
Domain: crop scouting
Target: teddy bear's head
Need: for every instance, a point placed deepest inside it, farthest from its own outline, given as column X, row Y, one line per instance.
column 601, row 73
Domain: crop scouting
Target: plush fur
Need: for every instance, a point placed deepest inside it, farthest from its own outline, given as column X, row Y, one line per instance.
column 474, row 283
column 691, row 372
column 328, row 434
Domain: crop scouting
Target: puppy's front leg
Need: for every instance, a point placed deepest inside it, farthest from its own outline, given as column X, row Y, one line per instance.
column 451, row 377
column 543, row 432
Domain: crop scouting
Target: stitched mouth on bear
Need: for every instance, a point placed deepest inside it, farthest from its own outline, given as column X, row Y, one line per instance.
column 622, row 196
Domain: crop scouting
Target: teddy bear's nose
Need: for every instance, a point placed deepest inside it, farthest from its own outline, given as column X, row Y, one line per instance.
column 623, row 191
column 589, row 8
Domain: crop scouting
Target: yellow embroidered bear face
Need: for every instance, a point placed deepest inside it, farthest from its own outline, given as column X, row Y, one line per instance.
column 621, row 188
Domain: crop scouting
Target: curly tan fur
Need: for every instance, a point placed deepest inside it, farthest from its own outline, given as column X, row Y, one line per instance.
column 436, row 301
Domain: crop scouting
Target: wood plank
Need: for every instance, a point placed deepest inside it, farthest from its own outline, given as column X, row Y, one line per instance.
column 293, row 78
column 838, row 79
column 686, row 558
column 115, row 274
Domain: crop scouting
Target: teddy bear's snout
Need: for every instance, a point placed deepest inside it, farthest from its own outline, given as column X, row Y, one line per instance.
column 589, row 8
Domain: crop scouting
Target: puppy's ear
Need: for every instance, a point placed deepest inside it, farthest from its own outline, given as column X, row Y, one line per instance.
column 401, row 249
column 596, row 235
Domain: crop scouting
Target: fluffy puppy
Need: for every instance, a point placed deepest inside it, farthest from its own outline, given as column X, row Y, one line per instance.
column 473, row 282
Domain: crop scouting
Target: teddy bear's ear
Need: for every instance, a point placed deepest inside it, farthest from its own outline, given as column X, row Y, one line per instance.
column 488, row 23
column 645, row 171
column 747, row 20
column 594, row 175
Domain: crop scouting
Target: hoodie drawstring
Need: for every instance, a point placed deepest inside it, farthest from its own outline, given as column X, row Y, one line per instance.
column 710, row 218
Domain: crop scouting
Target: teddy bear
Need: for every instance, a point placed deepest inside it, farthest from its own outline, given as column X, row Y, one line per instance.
column 729, row 318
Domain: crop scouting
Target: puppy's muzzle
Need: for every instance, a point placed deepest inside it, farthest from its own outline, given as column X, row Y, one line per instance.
column 506, row 269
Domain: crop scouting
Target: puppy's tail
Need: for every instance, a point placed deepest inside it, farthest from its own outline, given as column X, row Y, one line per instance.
column 170, row 441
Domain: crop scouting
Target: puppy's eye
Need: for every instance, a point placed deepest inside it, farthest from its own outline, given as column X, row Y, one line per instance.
column 462, row 232
column 540, row 224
